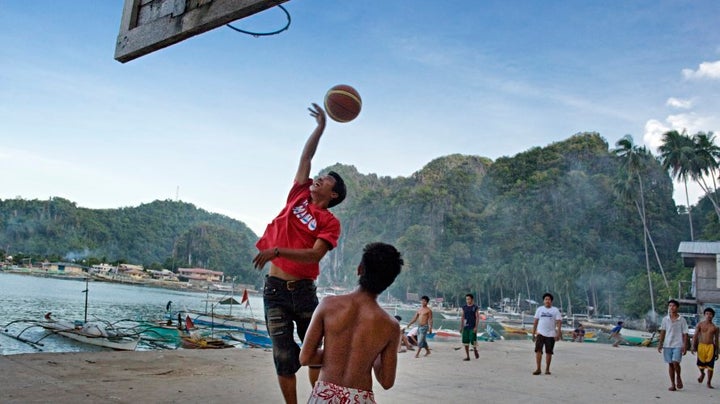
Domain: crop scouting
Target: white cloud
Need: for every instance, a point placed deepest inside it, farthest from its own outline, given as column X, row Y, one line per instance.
column 654, row 130
column 678, row 103
column 706, row 70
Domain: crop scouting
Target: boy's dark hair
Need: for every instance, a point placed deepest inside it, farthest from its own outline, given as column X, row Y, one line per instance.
column 381, row 264
column 470, row 295
column 675, row 302
column 338, row 188
column 427, row 299
column 548, row 295
column 398, row 318
column 709, row 309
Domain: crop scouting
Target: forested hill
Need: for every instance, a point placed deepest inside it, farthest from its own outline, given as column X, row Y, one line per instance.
column 560, row 218
column 161, row 234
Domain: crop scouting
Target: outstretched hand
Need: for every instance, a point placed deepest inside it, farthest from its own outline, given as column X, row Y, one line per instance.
column 318, row 113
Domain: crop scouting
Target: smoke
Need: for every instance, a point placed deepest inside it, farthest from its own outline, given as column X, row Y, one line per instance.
column 75, row 256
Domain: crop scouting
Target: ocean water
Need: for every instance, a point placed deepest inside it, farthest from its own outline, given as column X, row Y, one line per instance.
column 24, row 297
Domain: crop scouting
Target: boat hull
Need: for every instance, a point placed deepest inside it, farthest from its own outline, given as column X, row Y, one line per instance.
column 68, row 330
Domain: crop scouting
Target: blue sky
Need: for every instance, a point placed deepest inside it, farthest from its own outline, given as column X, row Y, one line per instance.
column 219, row 119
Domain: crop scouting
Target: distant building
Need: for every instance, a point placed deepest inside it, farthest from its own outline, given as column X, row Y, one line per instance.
column 200, row 274
column 63, row 267
column 704, row 290
column 103, row 268
column 163, row 274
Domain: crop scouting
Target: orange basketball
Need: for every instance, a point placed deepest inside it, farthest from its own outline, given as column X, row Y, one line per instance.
column 342, row 103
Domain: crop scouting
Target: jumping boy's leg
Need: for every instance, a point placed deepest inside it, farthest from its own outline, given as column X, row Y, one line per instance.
column 288, row 388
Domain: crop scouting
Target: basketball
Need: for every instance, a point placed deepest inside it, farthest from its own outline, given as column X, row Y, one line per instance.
column 342, row 103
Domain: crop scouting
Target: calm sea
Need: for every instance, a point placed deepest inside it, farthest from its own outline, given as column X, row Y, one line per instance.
column 30, row 297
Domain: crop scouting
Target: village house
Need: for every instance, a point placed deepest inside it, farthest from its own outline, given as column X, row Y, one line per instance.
column 704, row 258
column 200, row 274
column 67, row 268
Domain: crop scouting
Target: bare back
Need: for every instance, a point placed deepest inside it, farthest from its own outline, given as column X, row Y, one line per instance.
column 357, row 332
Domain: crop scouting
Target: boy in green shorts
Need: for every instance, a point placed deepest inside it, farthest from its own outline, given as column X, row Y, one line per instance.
column 468, row 325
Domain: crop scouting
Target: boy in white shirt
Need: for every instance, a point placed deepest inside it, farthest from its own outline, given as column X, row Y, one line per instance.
column 547, row 328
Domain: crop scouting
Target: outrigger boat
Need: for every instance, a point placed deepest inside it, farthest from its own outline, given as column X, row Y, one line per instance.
column 98, row 333
column 93, row 333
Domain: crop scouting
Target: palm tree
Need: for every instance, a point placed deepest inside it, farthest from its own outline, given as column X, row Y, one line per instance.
column 705, row 165
column 633, row 160
column 677, row 153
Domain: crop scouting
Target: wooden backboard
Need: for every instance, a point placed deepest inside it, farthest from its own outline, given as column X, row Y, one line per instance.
column 149, row 25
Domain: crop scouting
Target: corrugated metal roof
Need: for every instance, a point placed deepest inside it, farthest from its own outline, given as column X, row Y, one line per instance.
column 699, row 247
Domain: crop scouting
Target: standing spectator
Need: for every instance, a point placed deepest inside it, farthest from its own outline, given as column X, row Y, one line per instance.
column 424, row 319
column 469, row 321
column 547, row 328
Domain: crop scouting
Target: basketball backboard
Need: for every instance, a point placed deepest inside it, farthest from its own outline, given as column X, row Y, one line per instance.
column 149, row 25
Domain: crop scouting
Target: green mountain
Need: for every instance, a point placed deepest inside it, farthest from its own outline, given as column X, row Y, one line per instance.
column 159, row 234
column 548, row 219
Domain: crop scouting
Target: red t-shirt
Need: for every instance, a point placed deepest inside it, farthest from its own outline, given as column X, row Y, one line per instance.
column 298, row 225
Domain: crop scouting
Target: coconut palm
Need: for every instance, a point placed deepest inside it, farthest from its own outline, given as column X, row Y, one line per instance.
column 633, row 160
column 705, row 165
column 677, row 154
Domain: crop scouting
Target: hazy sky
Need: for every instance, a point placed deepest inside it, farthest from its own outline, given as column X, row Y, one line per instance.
column 219, row 119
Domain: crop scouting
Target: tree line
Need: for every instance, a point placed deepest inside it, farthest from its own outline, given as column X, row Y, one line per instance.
column 594, row 224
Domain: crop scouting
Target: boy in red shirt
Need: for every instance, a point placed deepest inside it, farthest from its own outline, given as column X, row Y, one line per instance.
column 294, row 243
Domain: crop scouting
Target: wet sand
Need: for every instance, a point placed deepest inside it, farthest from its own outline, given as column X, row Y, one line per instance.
column 584, row 372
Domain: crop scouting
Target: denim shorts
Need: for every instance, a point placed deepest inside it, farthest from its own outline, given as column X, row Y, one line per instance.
column 422, row 336
column 672, row 355
column 288, row 303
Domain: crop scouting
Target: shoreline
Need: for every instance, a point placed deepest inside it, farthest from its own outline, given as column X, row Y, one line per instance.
column 175, row 286
column 581, row 372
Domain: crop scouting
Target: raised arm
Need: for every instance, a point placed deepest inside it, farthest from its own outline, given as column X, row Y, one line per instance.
column 303, row 171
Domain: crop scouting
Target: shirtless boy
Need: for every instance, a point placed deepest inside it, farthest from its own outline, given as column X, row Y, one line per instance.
column 705, row 343
column 360, row 337
column 425, row 320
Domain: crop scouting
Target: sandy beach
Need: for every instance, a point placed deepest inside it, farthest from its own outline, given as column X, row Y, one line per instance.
column 584, row 372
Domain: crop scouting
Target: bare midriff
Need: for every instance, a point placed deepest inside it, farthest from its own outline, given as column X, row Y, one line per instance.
column 277, row 272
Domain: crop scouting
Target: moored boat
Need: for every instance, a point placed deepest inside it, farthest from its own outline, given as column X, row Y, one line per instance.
column 92, row 333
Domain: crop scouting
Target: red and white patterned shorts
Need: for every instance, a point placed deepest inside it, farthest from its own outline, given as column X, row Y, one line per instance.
column 325, row 392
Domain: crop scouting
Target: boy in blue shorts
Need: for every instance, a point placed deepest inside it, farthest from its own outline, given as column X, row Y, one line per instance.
column 673, row 343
